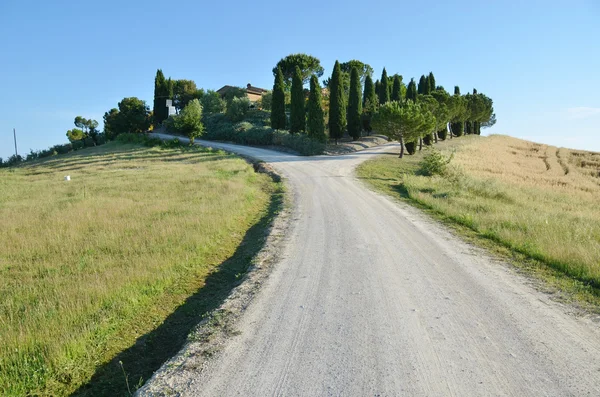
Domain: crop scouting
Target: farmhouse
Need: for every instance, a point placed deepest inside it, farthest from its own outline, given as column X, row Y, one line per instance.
column 254, row 93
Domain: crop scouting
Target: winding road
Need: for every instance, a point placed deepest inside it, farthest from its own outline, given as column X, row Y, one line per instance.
column 372, row 298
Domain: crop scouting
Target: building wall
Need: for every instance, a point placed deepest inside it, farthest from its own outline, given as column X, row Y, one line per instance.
column 254, row 97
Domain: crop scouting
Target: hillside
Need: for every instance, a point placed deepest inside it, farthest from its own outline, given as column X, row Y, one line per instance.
column 535, row 199
column 119, row 263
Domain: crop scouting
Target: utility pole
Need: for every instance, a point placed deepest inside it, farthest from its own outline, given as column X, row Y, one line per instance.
column 15, row 135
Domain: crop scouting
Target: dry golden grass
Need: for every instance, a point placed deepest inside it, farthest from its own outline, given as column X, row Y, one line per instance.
column 89, row 265
column 536, row 199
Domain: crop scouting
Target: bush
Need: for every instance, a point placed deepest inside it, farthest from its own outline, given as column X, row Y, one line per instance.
column 188, row 122
column 78, row 145
column 258, row 117
column 89, row 142
column 62, row 149
column 435, row 163
column 266, row 100
column 237, row 109
column 301, row 143
column 219, row 128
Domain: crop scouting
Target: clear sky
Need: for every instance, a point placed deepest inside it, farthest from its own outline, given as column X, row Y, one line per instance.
column 538, row 60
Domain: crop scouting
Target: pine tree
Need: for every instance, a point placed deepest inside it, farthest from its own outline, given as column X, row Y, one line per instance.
column 278, row 117
column 432, row 86
column 411, row 90
column 384, row 93
column 316, row 122
column 354, row 105
column 160, row 107
column 423, row 86
column 297, row 115
column 396, row 90
column 337, row 106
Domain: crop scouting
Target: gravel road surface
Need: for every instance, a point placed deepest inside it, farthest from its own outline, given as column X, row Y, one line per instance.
column 371, row 298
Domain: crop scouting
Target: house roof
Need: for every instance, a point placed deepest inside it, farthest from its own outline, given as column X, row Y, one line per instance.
column 250, row 89
column 255, row 90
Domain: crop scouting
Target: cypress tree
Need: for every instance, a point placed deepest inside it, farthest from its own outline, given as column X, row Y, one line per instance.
column 432, row 86
column 354, row 105
column 297, row 115
column 370, row 102
column 457, row 126
column 377, row 89
column 159, row 108
column 384, row 93
column 369, row 95
column 316, row 123
column 396, row 93
column 169, row 91
column 423, row 85
column 337, row 106
column 411, row 90
column 278, row 103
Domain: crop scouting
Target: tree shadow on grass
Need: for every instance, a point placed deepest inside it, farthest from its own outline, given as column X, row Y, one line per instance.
column 401, row 190
column 151, row 350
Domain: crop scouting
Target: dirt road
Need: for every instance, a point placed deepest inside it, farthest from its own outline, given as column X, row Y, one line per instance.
column 373, row 299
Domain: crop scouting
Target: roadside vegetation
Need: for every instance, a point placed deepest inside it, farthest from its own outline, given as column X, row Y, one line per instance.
column 538, row 200
column 103, row 276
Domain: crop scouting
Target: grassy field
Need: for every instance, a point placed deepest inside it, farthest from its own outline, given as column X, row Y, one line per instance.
column 538, row 200
column 102, row 277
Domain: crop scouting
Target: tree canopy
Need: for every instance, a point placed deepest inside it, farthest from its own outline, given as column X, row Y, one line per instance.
column 183, row 92
column 405, row 122
column 308, row 65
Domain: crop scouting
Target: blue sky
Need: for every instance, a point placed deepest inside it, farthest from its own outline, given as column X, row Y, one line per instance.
column 538, row 60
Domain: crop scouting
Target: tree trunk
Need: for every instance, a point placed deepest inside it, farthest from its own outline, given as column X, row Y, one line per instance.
column 401, row 146
column 450, row 129
column 435, row 136
column 420, row 144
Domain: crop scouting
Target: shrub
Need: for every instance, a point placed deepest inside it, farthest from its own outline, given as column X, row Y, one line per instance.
column 188, row 122
column 62, row 149
column 243, row 126
column 435, row 163
column 89, row 142
column 78, row 145
column 266, row 100
column 237, row 109
column 258, row 117
column 132, row 138
column 259, row 136
column 219, row 128
column 299, row 142
column 212, row 103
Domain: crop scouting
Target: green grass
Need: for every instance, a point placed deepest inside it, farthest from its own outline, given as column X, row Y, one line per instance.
column 120, row 263
column 514, row 194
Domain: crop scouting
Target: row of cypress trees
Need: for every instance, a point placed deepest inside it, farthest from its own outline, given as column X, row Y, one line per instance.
column 309, row 118
column 352, row 110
